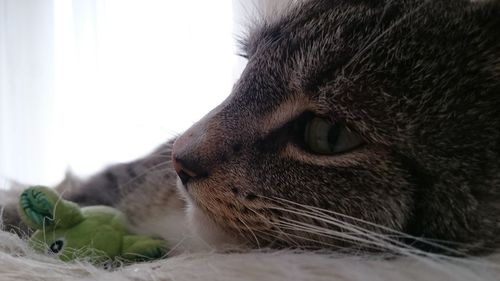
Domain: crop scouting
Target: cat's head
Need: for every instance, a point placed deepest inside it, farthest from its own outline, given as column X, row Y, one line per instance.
column 356, row 116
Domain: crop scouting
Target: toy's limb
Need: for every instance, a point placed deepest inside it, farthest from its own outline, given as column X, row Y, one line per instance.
column 41, row 207
column 143, row 248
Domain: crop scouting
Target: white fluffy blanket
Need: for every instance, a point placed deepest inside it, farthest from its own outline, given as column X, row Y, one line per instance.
column 18, row 262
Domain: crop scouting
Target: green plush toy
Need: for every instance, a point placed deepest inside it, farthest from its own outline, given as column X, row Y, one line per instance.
column 97, row 233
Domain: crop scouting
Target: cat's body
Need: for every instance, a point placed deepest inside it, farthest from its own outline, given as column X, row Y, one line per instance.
column 408, row 93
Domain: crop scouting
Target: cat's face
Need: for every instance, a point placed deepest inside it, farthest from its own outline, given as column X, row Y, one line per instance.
column 384, row 111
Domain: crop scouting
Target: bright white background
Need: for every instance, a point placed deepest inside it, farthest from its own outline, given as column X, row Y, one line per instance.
column 86, row 83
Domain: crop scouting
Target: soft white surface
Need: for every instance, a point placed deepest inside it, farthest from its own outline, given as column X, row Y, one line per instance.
column 17, row 262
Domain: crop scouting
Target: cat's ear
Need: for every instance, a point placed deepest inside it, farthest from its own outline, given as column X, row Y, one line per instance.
column 42, row 208
column 69, row 184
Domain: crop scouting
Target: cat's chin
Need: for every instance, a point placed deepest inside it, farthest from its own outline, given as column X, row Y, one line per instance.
column 205, row 234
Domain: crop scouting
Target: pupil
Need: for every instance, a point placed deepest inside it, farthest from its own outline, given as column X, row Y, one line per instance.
column 333, row 135
column 56, row 246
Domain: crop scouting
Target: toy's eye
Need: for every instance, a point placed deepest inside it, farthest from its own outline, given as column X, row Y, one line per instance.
column 320, row 136
column 57, row 246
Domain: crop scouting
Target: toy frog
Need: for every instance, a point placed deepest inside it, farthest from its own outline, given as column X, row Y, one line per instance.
column 96, row 233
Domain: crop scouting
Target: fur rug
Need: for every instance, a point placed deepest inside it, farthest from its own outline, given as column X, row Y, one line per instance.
column 18, row 262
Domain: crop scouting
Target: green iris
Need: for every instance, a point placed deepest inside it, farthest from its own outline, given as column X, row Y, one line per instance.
column 323, row 137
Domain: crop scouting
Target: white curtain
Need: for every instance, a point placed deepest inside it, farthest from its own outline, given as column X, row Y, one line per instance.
column 26, row 85
column 86, row 83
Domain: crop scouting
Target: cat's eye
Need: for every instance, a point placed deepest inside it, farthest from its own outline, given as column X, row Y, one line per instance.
column 323, row 137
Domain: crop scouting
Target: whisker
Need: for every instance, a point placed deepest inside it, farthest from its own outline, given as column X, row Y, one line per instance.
column 307, row 229
column 318, row 212
column 337, row 235
column 280, row 238
column 323, row 243
column 251, row 232
column 423, row 257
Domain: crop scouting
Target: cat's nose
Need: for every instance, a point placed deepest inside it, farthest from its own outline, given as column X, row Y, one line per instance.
column 198, row 150
column 185, row 160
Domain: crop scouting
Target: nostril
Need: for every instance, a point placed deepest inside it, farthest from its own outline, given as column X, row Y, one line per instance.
column 184, row 177
column 185, row 171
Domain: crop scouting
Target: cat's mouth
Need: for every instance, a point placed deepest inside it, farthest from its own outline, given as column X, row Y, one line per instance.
column 246, row 218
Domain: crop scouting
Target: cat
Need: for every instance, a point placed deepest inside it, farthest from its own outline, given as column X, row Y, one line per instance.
column 355, row 125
